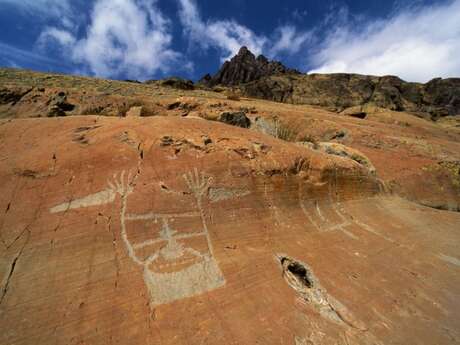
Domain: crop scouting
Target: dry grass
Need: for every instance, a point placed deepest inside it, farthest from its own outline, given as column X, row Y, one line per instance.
column 232, row 96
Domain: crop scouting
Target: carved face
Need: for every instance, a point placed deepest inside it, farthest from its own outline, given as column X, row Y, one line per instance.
column 168, row 243
column 167, row 238
column 170, row 239
column 164, row 230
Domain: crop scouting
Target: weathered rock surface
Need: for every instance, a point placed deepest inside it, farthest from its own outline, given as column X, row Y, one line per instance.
column 344, row 151
column 405, row 149
column 169, row 230
column 270, row 80
column 438, row 98
column 245, row 67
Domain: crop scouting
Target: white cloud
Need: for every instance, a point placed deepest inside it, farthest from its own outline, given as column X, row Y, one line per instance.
column 289, row 40
column 417, row 44
column 48, row 7
column 63, row 37
column 124, row 37
column 10, row 53
column 229, row 36
column 40, row 10
column 226, row 35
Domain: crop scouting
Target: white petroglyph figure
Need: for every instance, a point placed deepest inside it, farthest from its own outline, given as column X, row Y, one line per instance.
column 330, row 214
column 177, row 263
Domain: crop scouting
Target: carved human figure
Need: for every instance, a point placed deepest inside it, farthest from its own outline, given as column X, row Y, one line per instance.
column 177, row 256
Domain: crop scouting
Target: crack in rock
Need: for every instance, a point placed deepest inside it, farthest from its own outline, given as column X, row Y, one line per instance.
column 7, row 279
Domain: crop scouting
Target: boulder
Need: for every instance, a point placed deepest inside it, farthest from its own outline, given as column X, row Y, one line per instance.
column 134, row 112
column 178, row 83
column 59, row 105
column 238, row 118
column 346, row 152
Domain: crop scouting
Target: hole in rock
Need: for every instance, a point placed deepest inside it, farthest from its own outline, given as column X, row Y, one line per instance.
column 66, row 106
column 296, row 273
column 300, row 272
column 360, row 115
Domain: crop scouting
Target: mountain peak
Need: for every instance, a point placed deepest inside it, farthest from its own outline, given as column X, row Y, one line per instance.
column 244, row 51
column 244, row 68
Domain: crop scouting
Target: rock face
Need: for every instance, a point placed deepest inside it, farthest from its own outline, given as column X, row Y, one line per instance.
column 169, row 230
column 437, row 98
column 244, row 68
column 261, row 78
column 408, row 152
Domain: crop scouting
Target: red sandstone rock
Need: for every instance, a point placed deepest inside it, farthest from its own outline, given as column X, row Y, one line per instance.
column 183, row 231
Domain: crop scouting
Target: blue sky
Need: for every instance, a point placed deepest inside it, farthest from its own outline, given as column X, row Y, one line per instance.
column 147, row 39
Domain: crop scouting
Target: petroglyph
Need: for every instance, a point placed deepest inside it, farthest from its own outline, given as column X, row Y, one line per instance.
column 450, row 259
column 101, row 198
column 300, row 341
column 176, row 262
column 221, row 194
column 323, row 215
column 330, row 215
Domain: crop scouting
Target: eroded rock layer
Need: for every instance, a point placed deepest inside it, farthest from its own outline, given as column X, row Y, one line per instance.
column 435, row 99
column 185, row 231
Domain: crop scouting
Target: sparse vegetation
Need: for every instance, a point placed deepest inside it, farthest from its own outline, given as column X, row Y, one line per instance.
column 218, row 89
column 232, row 96
column 285, row 132
column 308, row 138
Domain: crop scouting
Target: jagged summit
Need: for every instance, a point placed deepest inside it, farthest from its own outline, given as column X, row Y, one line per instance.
column 245, row 67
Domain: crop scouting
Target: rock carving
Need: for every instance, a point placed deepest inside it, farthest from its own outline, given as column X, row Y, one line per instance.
column 176, row 263
column 330, row 215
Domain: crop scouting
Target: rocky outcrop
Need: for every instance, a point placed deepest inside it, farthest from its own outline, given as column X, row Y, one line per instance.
column 271, row 80
column 245, row 68
column 59, row 106
column 13, row 95
column 173, row 82
column 238, row 118
column 437, row 98
column 343, row 151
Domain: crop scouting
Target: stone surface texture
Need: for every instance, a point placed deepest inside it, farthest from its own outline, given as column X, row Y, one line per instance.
column 170, row 227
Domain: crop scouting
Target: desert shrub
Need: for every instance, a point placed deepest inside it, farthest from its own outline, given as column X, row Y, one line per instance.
column 209, row 116
column 308, row 138
column 286, row 132
column 232, row 96
column 92, row 109
column 148, row 109
column 218, row 89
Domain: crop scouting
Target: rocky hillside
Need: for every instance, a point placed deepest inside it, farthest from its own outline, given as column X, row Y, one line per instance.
column 435, row 99
column 270, row 80
column 169, row 213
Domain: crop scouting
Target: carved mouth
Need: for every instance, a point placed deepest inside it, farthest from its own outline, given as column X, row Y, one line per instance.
column 162, row 265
